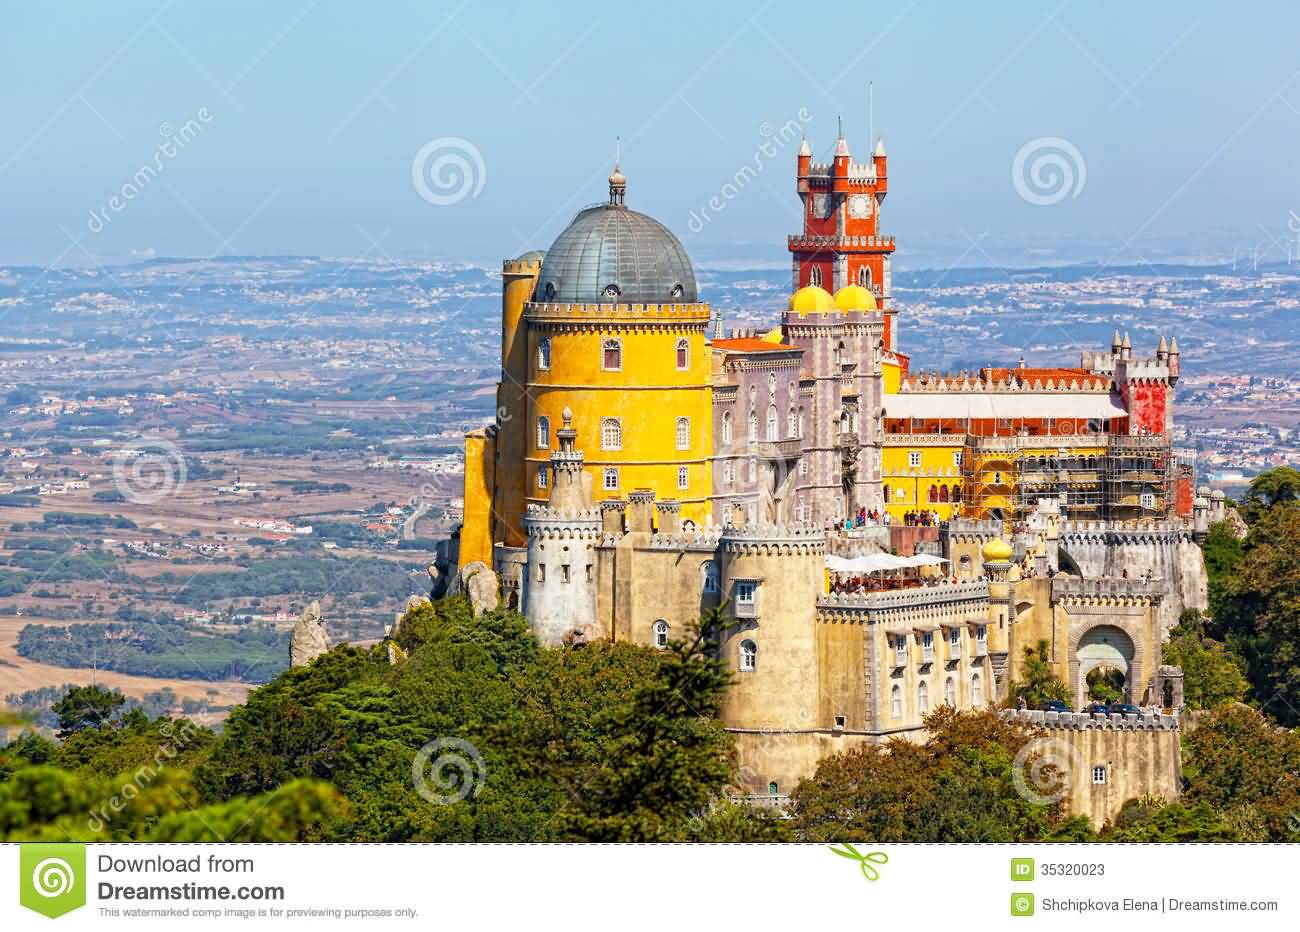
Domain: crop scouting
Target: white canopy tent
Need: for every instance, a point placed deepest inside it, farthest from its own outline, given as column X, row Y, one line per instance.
column 878, row 562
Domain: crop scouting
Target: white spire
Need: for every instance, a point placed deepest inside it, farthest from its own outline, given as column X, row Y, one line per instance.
column 880, row 147
column 841, row 144
column 804, row 148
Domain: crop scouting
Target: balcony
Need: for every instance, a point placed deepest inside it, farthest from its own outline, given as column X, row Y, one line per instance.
column 927, row 655
column 900, row 657
column 779, row 450
column 981, row 648
column 744, row 609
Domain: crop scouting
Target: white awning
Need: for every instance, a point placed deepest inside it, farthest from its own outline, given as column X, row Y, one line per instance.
column 878, row 562
column 985, row 405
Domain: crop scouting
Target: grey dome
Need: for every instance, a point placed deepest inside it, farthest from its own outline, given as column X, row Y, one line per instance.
column 610, row 247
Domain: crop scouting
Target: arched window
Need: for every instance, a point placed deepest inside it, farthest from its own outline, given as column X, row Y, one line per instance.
column 543, row 432
column 612, row 355
column 661, row 634
column 543, row 476
column 864, row 276
column 950, row 692
column 815, row 276
column 956, row 493
column 844, row 422
column 976, row 691
column 923, row 698
column 997, row 478
column 683, row 354
column 896, row 701
column 753, row 470
column 748, row 656
column 753, row 425
column 933, row 495
column 726, row 427
column 885, row 491
column 772, row 423
column 943, row 494
column 683, row 477
column 544, row 353
column 801, row 423
column 792, row 423
column 709, row 572
column 729, row 472
column 683, row 433
column 772, row 789
column 611, row 480
column 611, row 433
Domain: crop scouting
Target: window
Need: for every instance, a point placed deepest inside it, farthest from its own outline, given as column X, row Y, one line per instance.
column 726, row 427
column 753, row 425
column 683, row 477
column 541, row 572
column 543, row 433
column 683, row 433
column 749, row 659
column 564, row 572
column 950, row 692
column 1098, row 775
column 753, row 470
column 914, row 458
column 864, row 276
column 927, row 646
column 611, row 433
column 997, row 478
column 954, row 643
column 612, row 355
column 772, row 423
column 709, row 570
column 542, row 477
column 896, row 701
column 544, row 353
column 791, row 423
column 981, row 640
column 956, row 458
column 900, row 652
column 729, row 472
column 771, row 789
column 803, row 466
column 745, row 591
column 1148, row 501
column 840, row 721
column 933, row 496
column 976, row 691
column 923, row 698
column 815, row 277
column 683, row 354
column 611, row 479
column 801, row 422
column 661, row 634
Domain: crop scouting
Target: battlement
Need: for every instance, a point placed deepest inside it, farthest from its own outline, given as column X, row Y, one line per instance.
column 799, row 242
column 521, row 266
column 973, row 528
column 698, row 540
column 1094, row 721
column 774, row 538
column 1107, row 590
column 918, row 597
column 967, row 382
column 1138, row 531
column 560, row 312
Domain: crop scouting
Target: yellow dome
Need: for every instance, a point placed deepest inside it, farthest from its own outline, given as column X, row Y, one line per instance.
column 811, row 300
column 855, row 298
column 997, row 550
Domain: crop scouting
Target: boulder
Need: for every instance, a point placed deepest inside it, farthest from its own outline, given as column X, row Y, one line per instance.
column 308, row 639
column 479, row 584
column 1236, row 523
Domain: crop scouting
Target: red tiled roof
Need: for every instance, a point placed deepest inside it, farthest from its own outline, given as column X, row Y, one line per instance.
column 751, row 345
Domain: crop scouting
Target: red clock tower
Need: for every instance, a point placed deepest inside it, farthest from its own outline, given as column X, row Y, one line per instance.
column 841, row 243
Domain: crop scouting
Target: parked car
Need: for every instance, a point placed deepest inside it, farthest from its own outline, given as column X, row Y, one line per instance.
column 1094, row 707
column 1121, row 708
column 1055, row 705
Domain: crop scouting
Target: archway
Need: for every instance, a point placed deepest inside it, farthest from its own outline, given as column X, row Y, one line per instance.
column 1105, row 661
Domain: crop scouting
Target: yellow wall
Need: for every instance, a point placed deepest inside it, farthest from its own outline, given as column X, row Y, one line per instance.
column 476, row 528
column 518, row 278
column 891, row 377
column 648, row 393
column 935, row 461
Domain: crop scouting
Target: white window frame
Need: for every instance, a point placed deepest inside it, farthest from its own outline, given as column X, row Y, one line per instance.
column 611, row 473
column 660, row 633
column 682, row 432
column 927, row 646
column 773, row 424
column 976, row 690
column 611, row 433
column 709, row 571
column 956, row 458
column 1147, row 500
column 950, row 692
column 900, row 651
column 748, row 659
column 543, row 476
column 682, row 344
column 612, row 343
column 543, row 433
column 727, row 427
column 923, row 697
column 683, row 477
column 544, row 354
column 1099, row 775
column 896, row 701
column 914, row 459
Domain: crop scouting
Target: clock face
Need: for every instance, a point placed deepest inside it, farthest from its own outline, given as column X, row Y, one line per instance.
column 821, row 206
column 860, row 206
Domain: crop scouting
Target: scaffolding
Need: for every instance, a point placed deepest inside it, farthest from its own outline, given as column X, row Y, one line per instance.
column 1005, row 477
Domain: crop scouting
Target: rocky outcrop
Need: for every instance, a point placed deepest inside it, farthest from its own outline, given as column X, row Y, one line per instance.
column 479, row 584
column 308, row 639
column 438, row 581
column 1236, row 523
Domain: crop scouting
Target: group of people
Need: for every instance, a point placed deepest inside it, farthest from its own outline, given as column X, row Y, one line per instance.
column 864, row 518
column 921, row 519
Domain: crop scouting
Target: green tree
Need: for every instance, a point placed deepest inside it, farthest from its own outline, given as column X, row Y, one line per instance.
column 960, row 785
column 1277, row 486
column 1212, row 674
column 1040, row 683
column 1140, row 821
column 1236, row 757
column 86, row 707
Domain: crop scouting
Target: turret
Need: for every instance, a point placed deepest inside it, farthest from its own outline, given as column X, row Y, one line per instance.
column 805, row 158
column 1115, row 344
column 1126, row 348
column 1162, row 351
column 842, row 156
column 882, row 177
column 1174, row 361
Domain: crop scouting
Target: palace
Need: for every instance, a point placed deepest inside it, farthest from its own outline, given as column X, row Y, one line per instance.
column 886, row 540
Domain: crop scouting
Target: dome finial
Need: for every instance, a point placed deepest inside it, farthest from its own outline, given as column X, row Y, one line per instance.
column 617, row 180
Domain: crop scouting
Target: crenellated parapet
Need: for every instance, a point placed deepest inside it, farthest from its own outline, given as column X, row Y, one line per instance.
column 1108, row 591
column 970, row 594
column 942, row 382
column 1125, row 532
column 1094, row 721
column 697, row 540
column 773, row 539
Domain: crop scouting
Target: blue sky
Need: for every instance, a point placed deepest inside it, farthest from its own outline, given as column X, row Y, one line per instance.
column 1183, row 121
